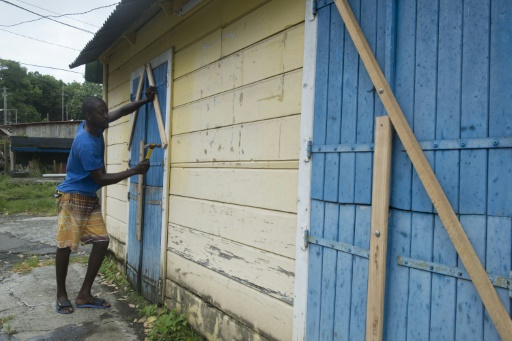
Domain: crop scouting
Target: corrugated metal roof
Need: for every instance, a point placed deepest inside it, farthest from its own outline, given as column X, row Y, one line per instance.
column 120, row 21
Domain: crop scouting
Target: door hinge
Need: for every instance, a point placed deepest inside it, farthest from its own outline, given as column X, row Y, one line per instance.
column 309, row 150
column 314, row 6
column 305, row 240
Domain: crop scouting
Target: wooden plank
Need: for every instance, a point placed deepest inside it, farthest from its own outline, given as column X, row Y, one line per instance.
column 133, row 118
column 379, row 222
column 398, row 277
column 358, row 297
column 140, row 195
column 314, row 305
column 243, row 164
column 320, row 103
column 158, row 112
column 262, row 271
column 328, row 280
column 117, row 209
column 270, row 189
column 263, row 229
column 276, row 139
column 499, row 185
column 117, row 154
column 444, row 290
column 365, row 116
column 199, row 54
column 401, row 176
column 498, row 261
column 475, row 105
column 334, row 116
column 344, row 273
column 462, row 244
column 116, row 228
column 271, row 98
column 419, row 295
column 267, row 315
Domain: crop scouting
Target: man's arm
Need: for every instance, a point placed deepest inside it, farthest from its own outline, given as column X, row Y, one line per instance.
column 105, row 179
column 132, row 106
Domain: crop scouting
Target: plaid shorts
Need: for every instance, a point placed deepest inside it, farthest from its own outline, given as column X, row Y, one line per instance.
column 79, row 221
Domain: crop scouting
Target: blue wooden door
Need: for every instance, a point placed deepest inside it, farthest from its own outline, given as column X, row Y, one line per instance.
column 446, row 62
column 144, row 255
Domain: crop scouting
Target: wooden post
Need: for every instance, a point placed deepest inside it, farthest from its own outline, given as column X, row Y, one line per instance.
column 140, row 194
column 158, row 112
column 379, row 229
column 476, row 271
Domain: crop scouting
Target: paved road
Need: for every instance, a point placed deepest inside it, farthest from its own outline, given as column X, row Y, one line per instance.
column 29, row 298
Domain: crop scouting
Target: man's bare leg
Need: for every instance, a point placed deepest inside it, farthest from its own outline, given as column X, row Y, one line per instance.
column 98, row 252
column 61, row 271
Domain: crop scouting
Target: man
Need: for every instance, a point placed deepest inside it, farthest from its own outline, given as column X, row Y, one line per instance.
column 80, row 218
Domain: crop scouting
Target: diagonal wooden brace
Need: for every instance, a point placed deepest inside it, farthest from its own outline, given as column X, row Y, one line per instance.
column 158, row 111
column 476, row 271
column 136, row 112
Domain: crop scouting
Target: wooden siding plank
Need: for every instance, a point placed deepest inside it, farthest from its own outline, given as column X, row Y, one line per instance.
column 263, row 271
column 475, row 96
column 268, row 58
column 344, row 273
column 240, row 165
column 199, row 54
column 117, row 154
column 418, row 314
column 349, row 110
column 447, row 163
column 271, row 189
column 278, row 54
column 425, row 85
column 328, row 280
column 276, row 139
column 263, row 22
column 117, row 209
column 444, row 290
column 321, row 104
column 265, row 314
column 498, row 261
column 359, row 294
column 499, row 194
column 401, row 176
column 116, row 228
column 314, row 305
column 266, row 230
column 470, row 310
column 365, row 110
column 270, row 98
column 398, row 277
column 335, row 93
column 118, row 191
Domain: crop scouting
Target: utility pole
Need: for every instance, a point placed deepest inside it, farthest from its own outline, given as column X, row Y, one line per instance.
column 5, row 105
column 63, row 103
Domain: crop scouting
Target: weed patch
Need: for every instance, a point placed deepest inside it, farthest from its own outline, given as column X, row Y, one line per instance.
column 160, row 323
column 29, row 263
column 6, row 322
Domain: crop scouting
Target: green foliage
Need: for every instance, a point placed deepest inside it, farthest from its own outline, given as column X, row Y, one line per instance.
column 23, row 197
column 171, row 325
column 36, row 96
column 6, row 322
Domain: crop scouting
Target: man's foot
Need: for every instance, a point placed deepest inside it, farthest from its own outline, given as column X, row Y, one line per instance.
column 94, row 302
column 64, row 307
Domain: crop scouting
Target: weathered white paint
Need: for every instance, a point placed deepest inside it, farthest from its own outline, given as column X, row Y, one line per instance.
column 262, row 229
column 268, row 315
column 263, row 271
column 304, row 190
column 274, row 189
column 276, row 139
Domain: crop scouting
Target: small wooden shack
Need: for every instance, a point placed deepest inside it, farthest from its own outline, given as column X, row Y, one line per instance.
column 266, row 211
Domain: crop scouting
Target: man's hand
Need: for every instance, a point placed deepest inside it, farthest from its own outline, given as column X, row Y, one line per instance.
column 142, row 167
column 150, row 93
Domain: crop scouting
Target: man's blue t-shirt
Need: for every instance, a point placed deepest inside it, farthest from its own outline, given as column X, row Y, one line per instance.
column 87, row 153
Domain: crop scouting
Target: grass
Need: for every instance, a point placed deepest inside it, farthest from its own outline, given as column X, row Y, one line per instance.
column 6, row 321
column 30, row 198
column 160, row 323
column 25, row 265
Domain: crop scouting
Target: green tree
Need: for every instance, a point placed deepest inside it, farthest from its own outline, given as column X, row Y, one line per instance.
column 75, row 94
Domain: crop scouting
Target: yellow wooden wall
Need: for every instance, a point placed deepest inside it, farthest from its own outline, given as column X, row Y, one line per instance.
column 235, row 114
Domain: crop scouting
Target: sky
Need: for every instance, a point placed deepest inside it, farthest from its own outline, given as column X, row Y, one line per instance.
column 14, row 46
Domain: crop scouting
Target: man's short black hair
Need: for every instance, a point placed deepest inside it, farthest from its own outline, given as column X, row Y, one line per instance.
column 89, row 104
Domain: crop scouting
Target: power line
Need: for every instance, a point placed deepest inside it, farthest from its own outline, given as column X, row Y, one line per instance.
column 42, row 41
column 58, row 16
column 51, row 67
column 60, row 22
